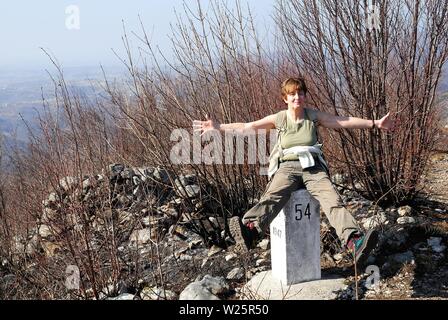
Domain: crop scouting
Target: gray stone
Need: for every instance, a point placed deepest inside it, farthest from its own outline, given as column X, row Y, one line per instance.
column 230, row 256
column 185, row 257
column 161, row 175
column 259, row 262
column 206, row 289
column 86, row 184
column 144, row 173
column 48, row 214
column 236, row 274
column 264, row 244
column 53, row 198
column 405, row 220
column 374, row 221
column 194, row 243
column 214, row 250
column 140, row 237
column 338, row 257
column 68, row 183
column 127, row 173
column 263, row 286
column 45, row 231
column 397, row 239
column 404, row 211
column 191, row 191
column 156, row 293
column 295, row 240
column 116, row 168
column 124, row 296
column 402, row 258
column 435, row 244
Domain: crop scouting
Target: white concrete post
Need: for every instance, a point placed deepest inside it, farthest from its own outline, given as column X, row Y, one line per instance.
column 295, row 240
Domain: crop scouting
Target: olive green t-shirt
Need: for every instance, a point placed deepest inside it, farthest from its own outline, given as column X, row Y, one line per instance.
column 299, row 134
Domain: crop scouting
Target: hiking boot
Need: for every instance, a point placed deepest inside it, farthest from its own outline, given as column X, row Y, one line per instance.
column 360, row 245
column 244, row 235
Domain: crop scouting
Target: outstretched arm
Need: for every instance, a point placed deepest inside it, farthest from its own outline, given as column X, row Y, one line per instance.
column 266, row 123
column 331, row 121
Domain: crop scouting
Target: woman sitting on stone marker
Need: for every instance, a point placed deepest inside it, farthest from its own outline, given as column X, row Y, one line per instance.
column 297, row 162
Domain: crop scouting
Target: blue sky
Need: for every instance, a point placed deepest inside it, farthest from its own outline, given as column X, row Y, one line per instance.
column 26, row 25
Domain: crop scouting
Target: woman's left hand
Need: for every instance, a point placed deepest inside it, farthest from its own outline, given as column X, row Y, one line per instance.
column 385, row 123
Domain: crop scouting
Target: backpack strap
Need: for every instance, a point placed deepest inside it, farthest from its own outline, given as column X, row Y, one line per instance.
column 280, row 120
column 312, row 116
column 280, row 125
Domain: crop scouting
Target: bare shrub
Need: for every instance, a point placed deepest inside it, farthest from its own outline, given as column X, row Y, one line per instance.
column 359, row 69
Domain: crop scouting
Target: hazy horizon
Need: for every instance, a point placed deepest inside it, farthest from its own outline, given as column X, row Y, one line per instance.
column 26, row 26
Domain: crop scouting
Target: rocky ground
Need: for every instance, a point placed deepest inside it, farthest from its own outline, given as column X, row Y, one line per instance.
column 411, row 257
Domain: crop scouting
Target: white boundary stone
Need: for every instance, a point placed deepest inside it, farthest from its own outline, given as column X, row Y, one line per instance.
column 295, row 240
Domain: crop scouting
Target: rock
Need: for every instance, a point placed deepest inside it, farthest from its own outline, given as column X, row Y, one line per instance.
column 156, row 293
column 127, row 173
column 140, row 237
column 259, row 262
column 326, row 257
column 206, row 289
column 68, row 183
column 397, row 239
column 266, row 254
column 230, row 256
column 115, row 169
column 374, row 221
column 338, row 257
column 191, row 191
column 86, row 184
column 236, row 274
column 435, row 244
column 264, row 244
column 264, row 286
column 45, row 231
column 186, row 186
column 185, row 257
column 124, row 296
column 161, row 175
column 194, row 243
column 214, row 250
column 404, row 211
column 144, row 173
column 146, row 221
column 53, row 198
column 339, row 178
column 402, row 258
column 405, row 220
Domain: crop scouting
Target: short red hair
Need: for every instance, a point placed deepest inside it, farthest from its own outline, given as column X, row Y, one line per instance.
column 293, row 85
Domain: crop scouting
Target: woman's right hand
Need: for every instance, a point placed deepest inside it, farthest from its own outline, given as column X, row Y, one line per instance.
column 204, row 126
